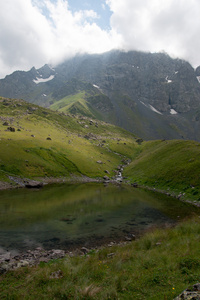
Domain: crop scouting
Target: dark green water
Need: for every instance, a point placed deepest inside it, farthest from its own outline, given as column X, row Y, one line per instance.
column 68, row 215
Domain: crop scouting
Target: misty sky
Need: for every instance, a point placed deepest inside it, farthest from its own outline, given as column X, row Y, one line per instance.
column 35, row 32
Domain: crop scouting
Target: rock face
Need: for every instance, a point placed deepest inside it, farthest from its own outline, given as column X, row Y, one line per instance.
column 152, row 95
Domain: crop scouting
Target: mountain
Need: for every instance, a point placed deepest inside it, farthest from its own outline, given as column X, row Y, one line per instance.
column 151, row 95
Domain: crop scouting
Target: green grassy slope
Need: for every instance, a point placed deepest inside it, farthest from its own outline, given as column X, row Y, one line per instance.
column 62, row 104
column 90, row 103
column 52, row 144
column 168, row 165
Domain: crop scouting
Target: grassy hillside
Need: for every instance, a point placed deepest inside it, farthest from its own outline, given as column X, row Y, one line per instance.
column 168, row 165
column 37, row 142
column 86, row 103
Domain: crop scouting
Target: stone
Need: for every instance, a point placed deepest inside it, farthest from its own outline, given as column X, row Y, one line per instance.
column 58, row 253
column 12, row 129
column 110, row 255
column 84, row 250
column 33, row 184
column 99, row 162
column 107, row 172
column 5, row 257
column 56, row 275
column 106, row 177
column 158, row 243
column 22, row 263
column 130, row 237
column 135, row 184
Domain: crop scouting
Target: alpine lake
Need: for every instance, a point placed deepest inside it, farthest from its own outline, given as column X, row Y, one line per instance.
column 66, row 216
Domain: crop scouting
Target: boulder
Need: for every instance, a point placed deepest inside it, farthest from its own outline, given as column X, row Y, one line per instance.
column 190, row 294
column 33, row 184
column 12, row 129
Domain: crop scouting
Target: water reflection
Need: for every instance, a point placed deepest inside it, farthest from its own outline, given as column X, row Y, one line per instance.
column 64, row 215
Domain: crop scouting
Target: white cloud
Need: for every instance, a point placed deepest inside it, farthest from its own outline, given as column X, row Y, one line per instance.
column 30, row 38
column 156, row 25
column 36, row 32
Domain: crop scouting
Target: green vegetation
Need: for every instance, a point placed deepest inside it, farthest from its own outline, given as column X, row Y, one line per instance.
column 45, row 143
column 65, row 103
column 167, row 165
column 160, row 265
column 37, row 142
column 86, row 103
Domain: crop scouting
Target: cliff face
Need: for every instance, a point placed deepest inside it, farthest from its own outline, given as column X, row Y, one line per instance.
column 152, row 95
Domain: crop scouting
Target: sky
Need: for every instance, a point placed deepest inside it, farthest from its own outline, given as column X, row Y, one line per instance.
column 35, row 32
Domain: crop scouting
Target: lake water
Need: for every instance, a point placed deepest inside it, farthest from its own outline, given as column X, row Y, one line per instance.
column 69, row 215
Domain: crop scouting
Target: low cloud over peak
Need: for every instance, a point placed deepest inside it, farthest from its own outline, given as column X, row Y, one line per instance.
column 33, row 33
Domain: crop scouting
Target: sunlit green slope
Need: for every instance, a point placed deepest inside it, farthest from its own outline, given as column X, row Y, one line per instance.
column 169, row 165
column 37, row 142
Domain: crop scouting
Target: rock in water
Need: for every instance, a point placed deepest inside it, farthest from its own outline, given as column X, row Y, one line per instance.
column 34, row 184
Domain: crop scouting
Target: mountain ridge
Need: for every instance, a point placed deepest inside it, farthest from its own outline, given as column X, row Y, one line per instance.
column 151, row 95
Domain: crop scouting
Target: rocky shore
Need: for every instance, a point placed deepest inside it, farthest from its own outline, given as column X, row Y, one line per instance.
column 17, row 182
column 13, row 260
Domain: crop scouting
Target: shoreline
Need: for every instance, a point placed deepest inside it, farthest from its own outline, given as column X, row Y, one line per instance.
column 39, row 182
column 17, row 182
column 14, row 259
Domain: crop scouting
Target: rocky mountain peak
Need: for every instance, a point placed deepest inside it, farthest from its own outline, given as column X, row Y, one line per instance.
column 142, row 92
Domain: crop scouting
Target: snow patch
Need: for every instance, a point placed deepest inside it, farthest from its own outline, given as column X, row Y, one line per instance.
column 151, row 107
column 144, row 104
column 173, row 112
column 198, row 78
column 168, row 80
column 44, row 95
column 155, row 110
column 41, row 80
column 176, row 72
column 96, row 86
